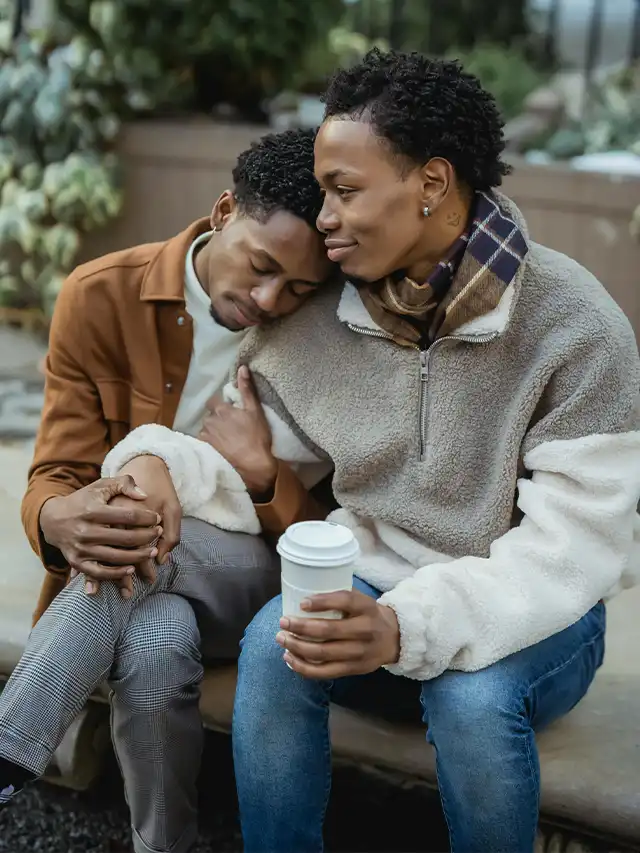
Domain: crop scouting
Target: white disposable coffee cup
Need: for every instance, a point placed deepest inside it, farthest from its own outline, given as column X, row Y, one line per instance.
column 317, row 557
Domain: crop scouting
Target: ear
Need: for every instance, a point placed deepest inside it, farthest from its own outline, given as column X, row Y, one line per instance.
column 223, row 210
column 437, row 180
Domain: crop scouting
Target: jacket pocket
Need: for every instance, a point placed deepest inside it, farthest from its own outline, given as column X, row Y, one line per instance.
column 143, row 410
column 115, row 397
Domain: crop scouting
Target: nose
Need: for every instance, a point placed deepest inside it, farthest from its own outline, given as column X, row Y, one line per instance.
column 327, row 220
column 266, row 295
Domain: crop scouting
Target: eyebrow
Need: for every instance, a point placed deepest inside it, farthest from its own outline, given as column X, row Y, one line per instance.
column 330, row 176
column 278, row 268
column 265, row 256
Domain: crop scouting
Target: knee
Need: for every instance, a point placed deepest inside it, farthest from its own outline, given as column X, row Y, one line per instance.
column 158, row 661
column 258, row 646
column 263, row 677
column 477, row 707
column 204, row 547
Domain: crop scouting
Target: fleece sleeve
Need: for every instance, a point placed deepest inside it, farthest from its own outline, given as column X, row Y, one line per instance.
column 579, row 535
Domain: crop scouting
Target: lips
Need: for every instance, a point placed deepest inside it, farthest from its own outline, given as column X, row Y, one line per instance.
column 338, row 250
column 244, row 318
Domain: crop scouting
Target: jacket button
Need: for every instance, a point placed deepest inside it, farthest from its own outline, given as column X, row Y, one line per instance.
column 168, row 387
column 181, row 321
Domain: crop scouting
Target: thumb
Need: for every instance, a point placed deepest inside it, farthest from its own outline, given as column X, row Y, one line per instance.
column 247, row 389
column 171, row 519
column 123, row 485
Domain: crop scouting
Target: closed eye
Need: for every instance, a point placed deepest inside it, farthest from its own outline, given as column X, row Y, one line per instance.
column 301, row 288
column 259, row 270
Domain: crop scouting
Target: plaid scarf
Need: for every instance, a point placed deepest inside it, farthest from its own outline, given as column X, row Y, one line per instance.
column 467, row 284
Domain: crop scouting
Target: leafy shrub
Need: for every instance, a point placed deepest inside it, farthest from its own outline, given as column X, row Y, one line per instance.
column 504, row 71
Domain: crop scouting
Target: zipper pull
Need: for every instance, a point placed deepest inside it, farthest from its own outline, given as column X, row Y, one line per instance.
column 424, row 369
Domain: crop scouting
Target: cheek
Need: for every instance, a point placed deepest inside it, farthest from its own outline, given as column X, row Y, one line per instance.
column 230, row 278
column 385, row 250
column 288, row 303
column 392, row 239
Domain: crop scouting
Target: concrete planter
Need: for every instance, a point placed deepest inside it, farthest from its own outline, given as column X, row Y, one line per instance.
column 173, row 171
column 587, row 216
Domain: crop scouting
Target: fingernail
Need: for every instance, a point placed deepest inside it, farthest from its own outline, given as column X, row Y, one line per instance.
column 125, row 593
column 160, row 531
column 139, row 491
column 244, row 371
column 281, row 638
column 154, row 552
column 285, row 623
column 286, row 657
column 90, row 588
column 158, row 519
column 130, row 570
column 305, row 604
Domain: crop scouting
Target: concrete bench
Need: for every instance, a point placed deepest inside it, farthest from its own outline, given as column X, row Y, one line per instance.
column 590, row 761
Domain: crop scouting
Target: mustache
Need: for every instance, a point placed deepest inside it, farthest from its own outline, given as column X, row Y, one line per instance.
column 262, row 319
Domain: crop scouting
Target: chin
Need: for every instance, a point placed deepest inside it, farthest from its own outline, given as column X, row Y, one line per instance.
column 221, row 320
column 351, row 268
column 358, row 274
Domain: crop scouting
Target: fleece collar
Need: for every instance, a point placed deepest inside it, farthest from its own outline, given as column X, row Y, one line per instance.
column 480, row 301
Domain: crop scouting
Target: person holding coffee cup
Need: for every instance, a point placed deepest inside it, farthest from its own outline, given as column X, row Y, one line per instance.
column 477, row 395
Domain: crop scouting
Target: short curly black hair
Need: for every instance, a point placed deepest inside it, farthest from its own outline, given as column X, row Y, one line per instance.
column 425, row 108
column 276, row 173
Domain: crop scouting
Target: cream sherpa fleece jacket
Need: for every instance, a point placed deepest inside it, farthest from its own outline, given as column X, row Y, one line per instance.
column 492, row 480
column 473, row 620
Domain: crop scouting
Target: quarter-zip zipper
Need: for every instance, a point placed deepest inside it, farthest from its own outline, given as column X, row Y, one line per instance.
column 372, row 333
column 425, row 356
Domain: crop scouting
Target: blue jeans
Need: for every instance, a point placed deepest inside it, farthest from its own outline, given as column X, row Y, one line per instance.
column 480, row 723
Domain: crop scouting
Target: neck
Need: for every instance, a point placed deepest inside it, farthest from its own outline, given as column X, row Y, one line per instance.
column 447, row 226
column 201, row 261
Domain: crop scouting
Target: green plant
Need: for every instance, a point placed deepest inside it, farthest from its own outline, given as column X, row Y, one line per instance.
column 168, row 54
column 65, row 91
column 58, row 176
column 432, row 26
column 341, row 48
column 611, row 120
column 504, row 71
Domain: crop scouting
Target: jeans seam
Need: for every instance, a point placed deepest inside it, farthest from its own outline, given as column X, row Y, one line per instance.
column 529, row 738
column 535, row 781
column 328, row 759
column 594, row 639
column 443, row 801
column 584, row 645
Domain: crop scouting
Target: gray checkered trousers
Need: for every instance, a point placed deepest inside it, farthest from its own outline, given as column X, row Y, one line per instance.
column 149, row 649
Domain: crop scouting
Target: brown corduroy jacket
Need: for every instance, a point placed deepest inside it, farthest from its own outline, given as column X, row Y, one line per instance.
column 119, row 352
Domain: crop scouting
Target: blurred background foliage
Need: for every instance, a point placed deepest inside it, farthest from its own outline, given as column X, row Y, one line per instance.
column 72, row 71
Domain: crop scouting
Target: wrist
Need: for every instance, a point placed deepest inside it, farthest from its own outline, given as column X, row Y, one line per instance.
column 262, row 481
column 393, row 635
column 46, row 520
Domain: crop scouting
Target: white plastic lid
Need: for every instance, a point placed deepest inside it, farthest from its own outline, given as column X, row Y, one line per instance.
column 318, row 543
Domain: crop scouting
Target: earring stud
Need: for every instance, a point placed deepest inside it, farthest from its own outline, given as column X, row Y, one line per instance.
column 426, row 211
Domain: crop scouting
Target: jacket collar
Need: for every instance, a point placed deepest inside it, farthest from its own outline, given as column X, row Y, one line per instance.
column 164, row 277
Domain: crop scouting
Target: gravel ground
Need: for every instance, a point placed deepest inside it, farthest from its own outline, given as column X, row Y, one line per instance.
column 367, row 815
